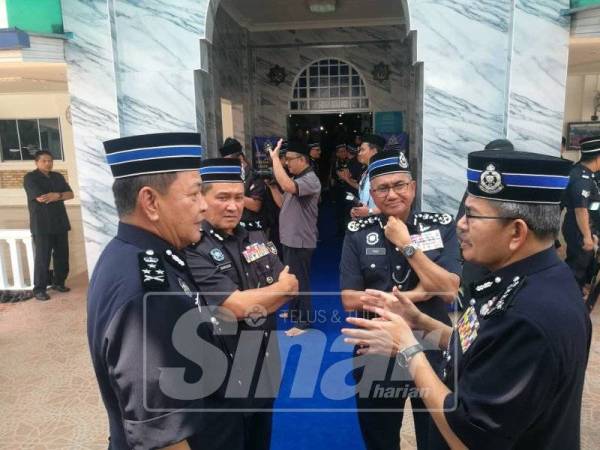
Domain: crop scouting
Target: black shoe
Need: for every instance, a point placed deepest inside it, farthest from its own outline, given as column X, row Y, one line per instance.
column 60, row 288
column 41, row 296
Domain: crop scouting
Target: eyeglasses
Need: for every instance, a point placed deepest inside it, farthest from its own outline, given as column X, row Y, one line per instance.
column 287, row 160
column 383, row 191
column 473, row 216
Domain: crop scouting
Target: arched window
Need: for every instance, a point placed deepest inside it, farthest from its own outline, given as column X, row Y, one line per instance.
column 329, row 85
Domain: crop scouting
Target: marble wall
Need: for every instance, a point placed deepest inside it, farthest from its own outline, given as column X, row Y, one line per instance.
column 485, row 69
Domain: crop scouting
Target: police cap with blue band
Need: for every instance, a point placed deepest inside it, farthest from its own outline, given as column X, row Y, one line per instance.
column 590, row 146
column 386, row 162
column 153, row 153
column 521, row 177
column 221, row 170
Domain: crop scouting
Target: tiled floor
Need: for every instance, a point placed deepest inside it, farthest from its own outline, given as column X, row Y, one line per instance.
column 48, row 393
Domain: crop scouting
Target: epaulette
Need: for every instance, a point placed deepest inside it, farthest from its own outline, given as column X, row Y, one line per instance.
column 364, row 222
column 432, row 219
column 500, row 302
column 252, row 225
column 152, row 272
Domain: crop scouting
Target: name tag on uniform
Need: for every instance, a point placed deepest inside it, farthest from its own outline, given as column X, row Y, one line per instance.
column 430, row 240
column 255, row 251
column 223, row 267
column 375, row 251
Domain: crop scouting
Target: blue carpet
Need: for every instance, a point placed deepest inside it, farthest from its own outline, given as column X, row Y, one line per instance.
column 314, row 386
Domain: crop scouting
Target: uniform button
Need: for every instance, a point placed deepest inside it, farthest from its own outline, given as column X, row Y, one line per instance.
column 169, row 252
column 397, row 249
column 240, row 382
column 266, row 333
column 267, row 267
column 214, row 321
column 231, row 354
column 149, row 252
column 498, row 279
column 398, row 267
column 267, row 354
column 472, row 302
column 372, row 266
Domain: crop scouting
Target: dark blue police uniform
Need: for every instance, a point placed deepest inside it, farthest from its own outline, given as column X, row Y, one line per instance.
column 516, row 361
column 582, row 192
column 370, row 261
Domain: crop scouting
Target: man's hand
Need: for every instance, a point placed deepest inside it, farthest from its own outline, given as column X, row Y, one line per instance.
column 588, row 244
column 397, row 232
column 344, row 175
column 380, row 337
column 359, row 211
column 274, row 152
column 49, row 197
column 396, row 302
column 288, row 282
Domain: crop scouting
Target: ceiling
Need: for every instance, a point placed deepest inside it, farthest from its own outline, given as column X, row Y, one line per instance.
column 32, row 77
column 264, row 15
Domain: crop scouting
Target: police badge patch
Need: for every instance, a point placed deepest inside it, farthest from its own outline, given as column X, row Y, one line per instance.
column 490, row 180
column 372, row 238
column 217, row 255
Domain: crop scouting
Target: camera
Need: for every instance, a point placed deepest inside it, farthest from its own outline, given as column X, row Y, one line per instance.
column 353, row 199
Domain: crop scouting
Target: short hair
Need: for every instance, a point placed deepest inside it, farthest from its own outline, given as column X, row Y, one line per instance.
column 372, row 146
column 41, row 153
column 205, row 188
column 542, row 219
column 126, row 190
column 586, row 157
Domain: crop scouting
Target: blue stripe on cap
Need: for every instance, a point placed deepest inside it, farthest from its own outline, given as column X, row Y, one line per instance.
column 525, row 180
column 394, row 160
column 191, row 151
column 220, row 170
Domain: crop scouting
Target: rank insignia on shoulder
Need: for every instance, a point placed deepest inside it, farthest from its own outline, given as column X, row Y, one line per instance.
column 253, row 225
column 217, row 255
column 432, row 218
column 499, row 303
column 152, row 272
column 359, row 224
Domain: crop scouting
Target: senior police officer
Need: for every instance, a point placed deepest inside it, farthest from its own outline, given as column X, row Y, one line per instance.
column 518, row 354
column 240, row 271
column 581, row 202
column 370, row 146
column 399, row 249
column 158, row 363
column 254, row 187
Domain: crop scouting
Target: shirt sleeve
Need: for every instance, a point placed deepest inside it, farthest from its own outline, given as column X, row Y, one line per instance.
column 350, row 275
column 212, row 281
column 308, row 185
column 149, row 374
column 579, row 192
column 64, row 185
column 503, row 387
column 32, row 189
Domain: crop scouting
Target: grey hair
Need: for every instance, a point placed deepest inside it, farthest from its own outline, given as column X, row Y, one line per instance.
column 126, row 190
column 542, row 219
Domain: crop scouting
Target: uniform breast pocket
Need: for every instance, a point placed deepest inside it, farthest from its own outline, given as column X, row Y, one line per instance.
column 264, row 272
column 373, row 267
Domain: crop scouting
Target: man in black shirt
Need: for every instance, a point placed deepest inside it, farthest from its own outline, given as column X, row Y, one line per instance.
column 46, row 193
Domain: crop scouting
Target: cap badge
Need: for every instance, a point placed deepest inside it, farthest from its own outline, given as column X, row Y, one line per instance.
column 490, row 181
column 403, row 161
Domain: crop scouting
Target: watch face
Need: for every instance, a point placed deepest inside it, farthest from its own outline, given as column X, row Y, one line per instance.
column 409, row 250
column 401, row 360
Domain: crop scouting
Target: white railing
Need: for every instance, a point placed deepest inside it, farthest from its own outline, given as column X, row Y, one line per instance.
column 11, row 262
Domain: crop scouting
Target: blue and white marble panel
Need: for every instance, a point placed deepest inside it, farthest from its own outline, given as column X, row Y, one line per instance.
column 463, row 45
column 92, row 85
column 538, row 75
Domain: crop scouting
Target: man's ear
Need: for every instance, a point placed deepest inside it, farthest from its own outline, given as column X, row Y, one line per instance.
column 148, row 203
column 520, row 231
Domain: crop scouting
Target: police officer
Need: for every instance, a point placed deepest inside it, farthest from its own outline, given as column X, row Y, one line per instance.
column 582, row 193
column 157, row 361
column 370, row 146
column 241, row 272
column 254, row 186
column 400, row 249
column 518, row 353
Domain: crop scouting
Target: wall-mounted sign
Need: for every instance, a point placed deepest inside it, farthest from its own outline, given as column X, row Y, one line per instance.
column 389, row 122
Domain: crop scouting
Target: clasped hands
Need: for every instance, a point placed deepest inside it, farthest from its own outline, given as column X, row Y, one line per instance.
column 49, row 197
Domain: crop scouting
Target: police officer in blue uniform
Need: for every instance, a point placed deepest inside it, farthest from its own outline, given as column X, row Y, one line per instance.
column 581, row 201
column 158, row 362
column 516, row 359
column 409, row 251
column 240, row 271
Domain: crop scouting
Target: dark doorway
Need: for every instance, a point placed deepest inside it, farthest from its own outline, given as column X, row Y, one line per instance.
column 328, row 130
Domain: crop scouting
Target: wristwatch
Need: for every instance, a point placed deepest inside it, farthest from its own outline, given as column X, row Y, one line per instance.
column 370, row 211
column 409, row 250
column 403, row 357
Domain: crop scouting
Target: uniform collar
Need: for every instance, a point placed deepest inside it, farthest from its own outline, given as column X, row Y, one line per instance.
column 532, row 264
column 240, row 233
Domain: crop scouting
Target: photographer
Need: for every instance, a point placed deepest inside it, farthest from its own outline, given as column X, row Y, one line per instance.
column 298, row 200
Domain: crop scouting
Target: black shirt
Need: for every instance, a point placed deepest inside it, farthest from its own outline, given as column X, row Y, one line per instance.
column 46, row 218
column 156, row 357
column 581, row 192
column 518, row 363
column 254, row 187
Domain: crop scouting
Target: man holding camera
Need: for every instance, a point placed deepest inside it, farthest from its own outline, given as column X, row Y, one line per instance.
column 299, row 203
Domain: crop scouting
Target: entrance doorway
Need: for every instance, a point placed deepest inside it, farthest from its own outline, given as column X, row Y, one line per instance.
column 329, row 130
